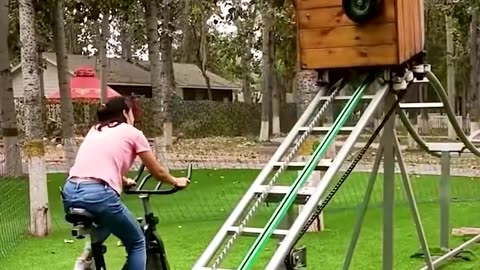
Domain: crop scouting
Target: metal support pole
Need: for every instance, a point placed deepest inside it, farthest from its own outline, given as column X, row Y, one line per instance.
column 388, row 186
column 363, row 208
column 413, row 204
column 453, row 252
column 444, row 200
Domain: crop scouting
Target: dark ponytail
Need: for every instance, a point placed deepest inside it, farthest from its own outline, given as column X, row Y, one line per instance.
column 111, row 113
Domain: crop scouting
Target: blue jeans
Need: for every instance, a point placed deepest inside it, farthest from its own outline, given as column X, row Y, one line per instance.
column 113, row 217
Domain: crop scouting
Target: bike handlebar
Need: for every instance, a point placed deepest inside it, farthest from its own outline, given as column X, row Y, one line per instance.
column 157, row 191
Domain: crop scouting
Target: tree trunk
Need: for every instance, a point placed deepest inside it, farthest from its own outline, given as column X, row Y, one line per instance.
column 203, row 53
column 276, row 103
column 167, row 77
column 104, row 35
column 245, row 63
column 126, row 43
column 246, row 57
column 307, row 88
column 450, row 72
column 72, row 43
column 187, row 38
column 158, row 76
column 66, row 104
column 34, row 131
column 266, row 71
column 473, row 100
column 8, row 120
column 43, row 101
column 151, row 15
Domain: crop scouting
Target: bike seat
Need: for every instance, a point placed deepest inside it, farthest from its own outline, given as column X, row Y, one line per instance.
column 79, row 216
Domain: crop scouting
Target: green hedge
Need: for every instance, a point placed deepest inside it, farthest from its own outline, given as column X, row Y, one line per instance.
column 191, row 119
column 195, row 119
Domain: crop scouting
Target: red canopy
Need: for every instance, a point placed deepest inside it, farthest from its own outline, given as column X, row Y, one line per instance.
column 85, row 85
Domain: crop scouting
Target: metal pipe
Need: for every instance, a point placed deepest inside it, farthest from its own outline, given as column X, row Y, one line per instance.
column 388, row 187
column 453, row 252
column 412, row 204
column 445, row 200
column 411, row 130
column 220, row 236
column 442, row 94
column 312, row 203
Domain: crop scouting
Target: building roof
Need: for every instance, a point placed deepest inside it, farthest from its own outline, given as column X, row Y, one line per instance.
column 190, row 75
column 122, row 72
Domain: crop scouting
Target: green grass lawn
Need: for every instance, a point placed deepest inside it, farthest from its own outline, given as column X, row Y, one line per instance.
column 190, row 219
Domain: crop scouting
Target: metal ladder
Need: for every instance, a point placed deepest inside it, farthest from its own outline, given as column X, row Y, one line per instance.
column 287, row 195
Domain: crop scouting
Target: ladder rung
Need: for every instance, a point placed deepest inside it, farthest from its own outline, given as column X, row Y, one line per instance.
column 424, row 105
column 323, row 130
column 277, row 193
column 247, row 231
column 367, row 97
column 323, row 165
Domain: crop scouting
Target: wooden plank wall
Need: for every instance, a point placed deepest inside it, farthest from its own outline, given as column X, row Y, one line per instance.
column 411, row 31
column 328, row 39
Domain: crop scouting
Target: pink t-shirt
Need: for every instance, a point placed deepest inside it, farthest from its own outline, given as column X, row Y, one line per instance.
column 108, row 154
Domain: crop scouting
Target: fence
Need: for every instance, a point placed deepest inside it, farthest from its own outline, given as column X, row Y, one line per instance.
column 14, row 200
column 438, row 124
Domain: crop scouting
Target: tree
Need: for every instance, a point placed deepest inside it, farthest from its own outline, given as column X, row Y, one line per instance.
column 34, row 131
column 244, row 20
column 8, row 120
column 151, row 19
column 474, row 98
column 206, row 12
column 267, row 64
column 188, row 40
column 104, row 36
column 284, row 56
column 167, row 77
column 66, row 104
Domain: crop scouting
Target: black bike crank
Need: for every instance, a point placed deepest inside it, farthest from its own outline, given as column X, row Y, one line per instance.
column 361, row 11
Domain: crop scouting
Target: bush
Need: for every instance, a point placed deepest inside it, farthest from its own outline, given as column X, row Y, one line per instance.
column 191, row 119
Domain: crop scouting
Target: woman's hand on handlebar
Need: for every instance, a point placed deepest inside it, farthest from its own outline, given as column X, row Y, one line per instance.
column 160, row 172
column 128, row 183
column 181, row 182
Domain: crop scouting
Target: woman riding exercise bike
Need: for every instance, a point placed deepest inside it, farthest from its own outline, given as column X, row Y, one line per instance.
column 96, row 179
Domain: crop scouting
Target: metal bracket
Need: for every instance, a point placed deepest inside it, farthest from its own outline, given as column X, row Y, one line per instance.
column 296, row 259
column 420, row 71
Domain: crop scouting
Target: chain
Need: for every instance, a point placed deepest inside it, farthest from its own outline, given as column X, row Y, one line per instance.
column 349, row 170
column 275, row 177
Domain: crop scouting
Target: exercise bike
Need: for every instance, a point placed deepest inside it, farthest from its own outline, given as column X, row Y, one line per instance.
column 84, row 224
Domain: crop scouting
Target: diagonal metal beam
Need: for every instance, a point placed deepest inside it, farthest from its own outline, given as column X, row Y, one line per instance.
column 341, row 156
